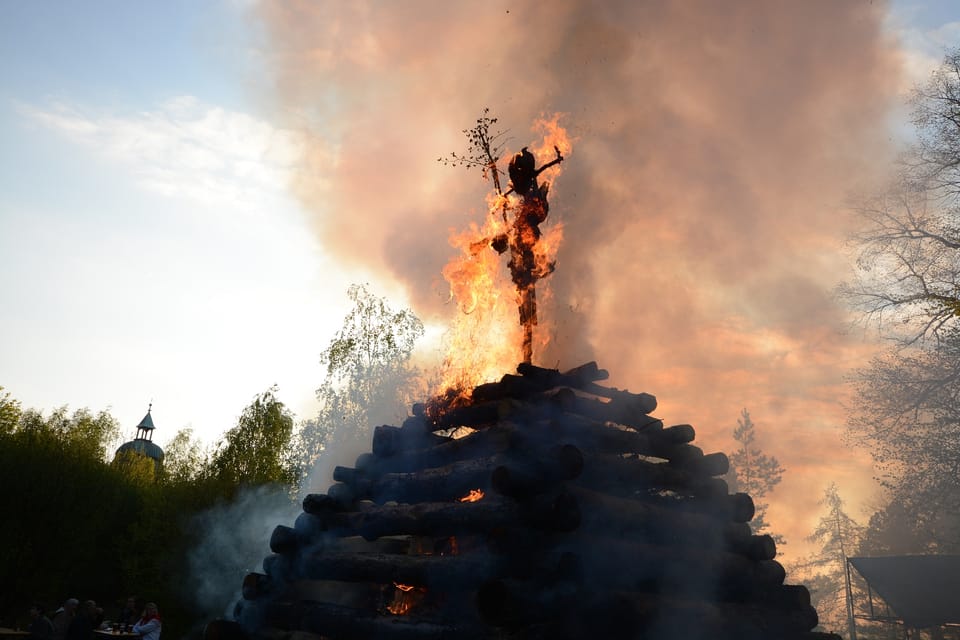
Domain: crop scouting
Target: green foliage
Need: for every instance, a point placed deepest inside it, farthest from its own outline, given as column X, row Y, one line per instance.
column 184, row 458
column 753, row 472
column 81, row 431
column 368, row 374
column 65, row 508
column 9, row 412
column 256, row 451
column 77, row 525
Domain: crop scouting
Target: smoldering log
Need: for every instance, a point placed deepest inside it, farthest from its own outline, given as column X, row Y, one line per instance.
column 346, row 623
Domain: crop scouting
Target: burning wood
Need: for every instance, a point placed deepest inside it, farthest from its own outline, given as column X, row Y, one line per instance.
column 475, row 495
column 567, row 513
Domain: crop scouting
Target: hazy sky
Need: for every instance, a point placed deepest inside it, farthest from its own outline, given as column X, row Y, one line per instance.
column 187, row 189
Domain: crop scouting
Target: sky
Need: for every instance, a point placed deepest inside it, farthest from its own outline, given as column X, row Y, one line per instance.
column 188, row 189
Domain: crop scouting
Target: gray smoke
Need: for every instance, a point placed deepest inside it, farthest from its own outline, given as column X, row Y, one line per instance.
column 715, row 144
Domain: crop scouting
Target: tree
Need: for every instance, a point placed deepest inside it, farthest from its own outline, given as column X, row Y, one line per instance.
column 484, row 149
column 831, row 591
column 907, row 405
column 368, row 374
column 257, row 450
column 908, row 277
column 82, row 431
column 10, row 412
column 753, row 472
column 184, row 459
column 909, row 415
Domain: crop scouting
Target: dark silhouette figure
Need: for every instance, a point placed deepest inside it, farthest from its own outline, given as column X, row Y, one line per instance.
column 522, row 240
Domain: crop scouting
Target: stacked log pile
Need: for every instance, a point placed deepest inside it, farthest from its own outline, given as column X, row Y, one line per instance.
column 566, row 511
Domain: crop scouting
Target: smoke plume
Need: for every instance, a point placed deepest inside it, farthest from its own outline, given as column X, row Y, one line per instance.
column 714, row 147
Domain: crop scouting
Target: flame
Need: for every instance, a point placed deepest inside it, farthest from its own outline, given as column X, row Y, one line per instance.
column 486, row 337
column 405, row 598
column 475, row 495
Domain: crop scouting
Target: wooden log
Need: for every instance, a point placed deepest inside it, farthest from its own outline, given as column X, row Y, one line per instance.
column 474, row 415
column 625, row 475
column 308, row 532
column 487, row 442
column 449, row 572
column 557, row 512
column 453, row 481
column 509, row 386
column 619, row 517
column 389, row 440
column 587, row 372
column 692, row 571
column 346, row 623
column 521, row 479
column 757, row 547
column 593, row 437
column 449, row 482
column 622, row 407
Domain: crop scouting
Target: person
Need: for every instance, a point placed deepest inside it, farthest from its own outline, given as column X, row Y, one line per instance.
column 128, row 614
column 41, row 628
column 63, row 617
column 87, row 619
column 148, row 626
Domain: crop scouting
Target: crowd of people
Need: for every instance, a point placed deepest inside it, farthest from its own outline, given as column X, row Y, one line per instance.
column 77, row 620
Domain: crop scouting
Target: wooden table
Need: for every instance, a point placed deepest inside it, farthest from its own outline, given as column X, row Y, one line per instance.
column 106, row 633
column 13, row 633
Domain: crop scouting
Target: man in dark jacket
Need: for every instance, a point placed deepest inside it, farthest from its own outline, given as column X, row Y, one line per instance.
column 87, row 619
column 40, row 626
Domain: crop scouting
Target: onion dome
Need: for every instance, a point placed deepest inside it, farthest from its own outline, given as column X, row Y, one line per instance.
column 143, row 442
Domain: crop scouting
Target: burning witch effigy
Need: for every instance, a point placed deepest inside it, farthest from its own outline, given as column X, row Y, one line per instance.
column 544, row 505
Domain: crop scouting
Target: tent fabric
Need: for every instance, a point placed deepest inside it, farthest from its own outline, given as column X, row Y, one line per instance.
column 923, row 590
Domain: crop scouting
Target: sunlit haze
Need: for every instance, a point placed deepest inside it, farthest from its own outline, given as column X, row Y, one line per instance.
column 188, row 189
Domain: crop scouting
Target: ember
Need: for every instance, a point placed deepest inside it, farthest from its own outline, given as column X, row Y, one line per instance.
column 596, row 520
column 473, row 496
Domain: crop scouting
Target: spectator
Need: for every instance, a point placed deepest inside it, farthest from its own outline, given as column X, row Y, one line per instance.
column 128, row 614
column 149, row 625
column 63, row 617
column 87, row 619
column 40, row 626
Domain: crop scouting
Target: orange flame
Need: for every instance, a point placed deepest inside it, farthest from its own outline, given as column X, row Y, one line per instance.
column 405, row 598
column 485, row 338
column 475, row 495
